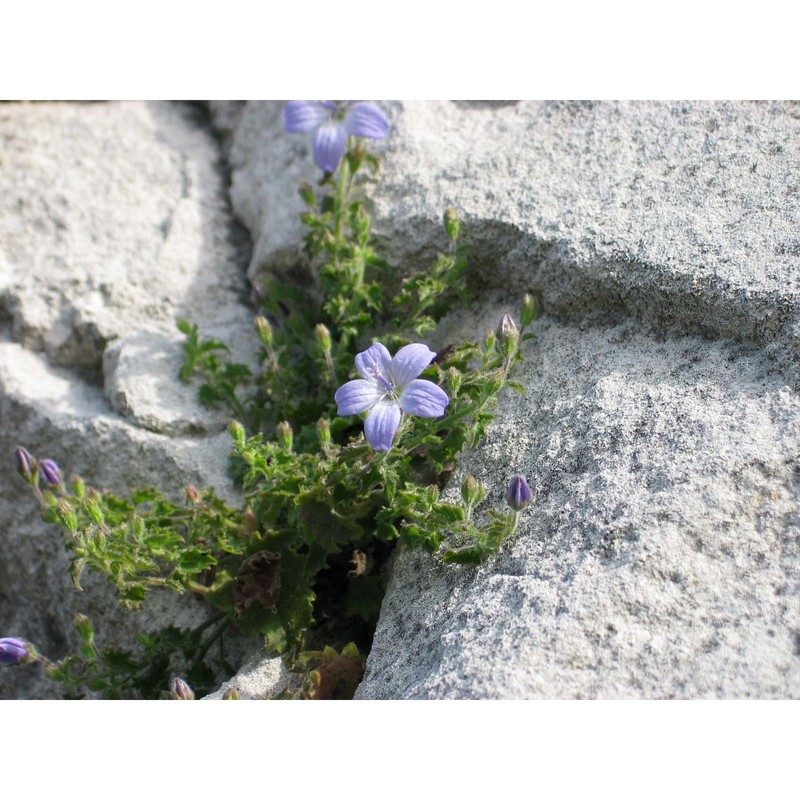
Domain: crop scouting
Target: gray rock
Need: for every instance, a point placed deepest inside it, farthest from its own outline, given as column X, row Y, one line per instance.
column 660, row 555
column 660, row 427
column 114, row 222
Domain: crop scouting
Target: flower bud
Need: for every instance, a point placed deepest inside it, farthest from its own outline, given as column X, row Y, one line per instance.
column 264, row 330
column 180, row 690
column 529, row 310
column 518, row 494
column 324, row 433
column 78, row 485
column 285, row 435
column 452, row 224
column 236, row 430
column 472, row 491
column 508, row 335
column 454, row 377
column 489, row 340
column 323, row 336
column 93, row 510
column 231, row 694
column 15, row 651
column 307, row 194
column 192, row 494
column 66, row 513
column 50, row 472
column 26, row 463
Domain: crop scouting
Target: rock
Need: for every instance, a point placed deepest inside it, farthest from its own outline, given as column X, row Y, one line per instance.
column 660, row 427
column 261, row 678
column 114, row 222
column 659, row 556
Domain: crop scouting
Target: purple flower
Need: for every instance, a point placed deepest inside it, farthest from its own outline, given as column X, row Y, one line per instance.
column 15, row 651
column 333, row 122
column 49, row 471
column 388, row 388
column 519, row 493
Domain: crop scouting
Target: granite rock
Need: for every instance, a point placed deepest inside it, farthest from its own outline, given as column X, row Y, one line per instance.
column 114, row 222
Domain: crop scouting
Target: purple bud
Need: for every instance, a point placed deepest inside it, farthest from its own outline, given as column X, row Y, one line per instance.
column 15, row 651
column 50, row 472
column 180, row 690
column 25, row 462
column 519, row 493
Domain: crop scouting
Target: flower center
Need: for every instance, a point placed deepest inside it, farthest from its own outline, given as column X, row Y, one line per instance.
column 382, row 381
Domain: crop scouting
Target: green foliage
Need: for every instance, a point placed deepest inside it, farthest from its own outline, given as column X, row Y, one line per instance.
column 145, row 673
column 317, row 498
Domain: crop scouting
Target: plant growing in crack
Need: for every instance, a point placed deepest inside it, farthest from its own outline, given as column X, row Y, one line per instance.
column 341, row 450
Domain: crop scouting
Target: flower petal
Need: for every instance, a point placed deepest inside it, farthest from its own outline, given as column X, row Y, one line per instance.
column 381, row 424
column 366, row 120
column 373, row 358
column 330, row 142
column 355, row 397
column 300, row 116
column 408, row 363
column 424, row 399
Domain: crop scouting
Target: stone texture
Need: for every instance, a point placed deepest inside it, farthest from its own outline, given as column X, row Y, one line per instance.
column 660, row 427
column 660, row 555
column 114, row 221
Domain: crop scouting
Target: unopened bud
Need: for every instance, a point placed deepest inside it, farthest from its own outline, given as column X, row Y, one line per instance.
column 452, row 224
column 231, row 694
column 518, row 494
column 192, row 494
column 15, row 651
column 236, row 430
column 508, row 334
column 50, row 472
column 285, row 435
column 93, row 510
column 264, row 330
column 323, row 337
column 472, row 491
column 84, row 628
column 489, row 340
column 78, row 485
column 454, row 377
column 26, row 463
column 180, row 690
column 66, row 513
column 307, row 194
column 530, row 308
column 324, row 432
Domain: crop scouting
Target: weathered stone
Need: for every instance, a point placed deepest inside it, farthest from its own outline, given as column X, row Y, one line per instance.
column 660, row 556
column 114, row 222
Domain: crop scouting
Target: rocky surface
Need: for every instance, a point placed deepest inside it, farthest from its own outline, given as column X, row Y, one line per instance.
column 114, row 221
column 660, row 428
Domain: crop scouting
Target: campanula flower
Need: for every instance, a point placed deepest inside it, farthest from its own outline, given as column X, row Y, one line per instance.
column 15, row 651
column 519, row 493
column 49, row 471
column 388, row 387
column 333, row 123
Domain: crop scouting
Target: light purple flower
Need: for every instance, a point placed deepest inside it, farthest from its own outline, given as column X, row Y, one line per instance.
column 15, row 651
column 333, row 122
column 388, row 387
